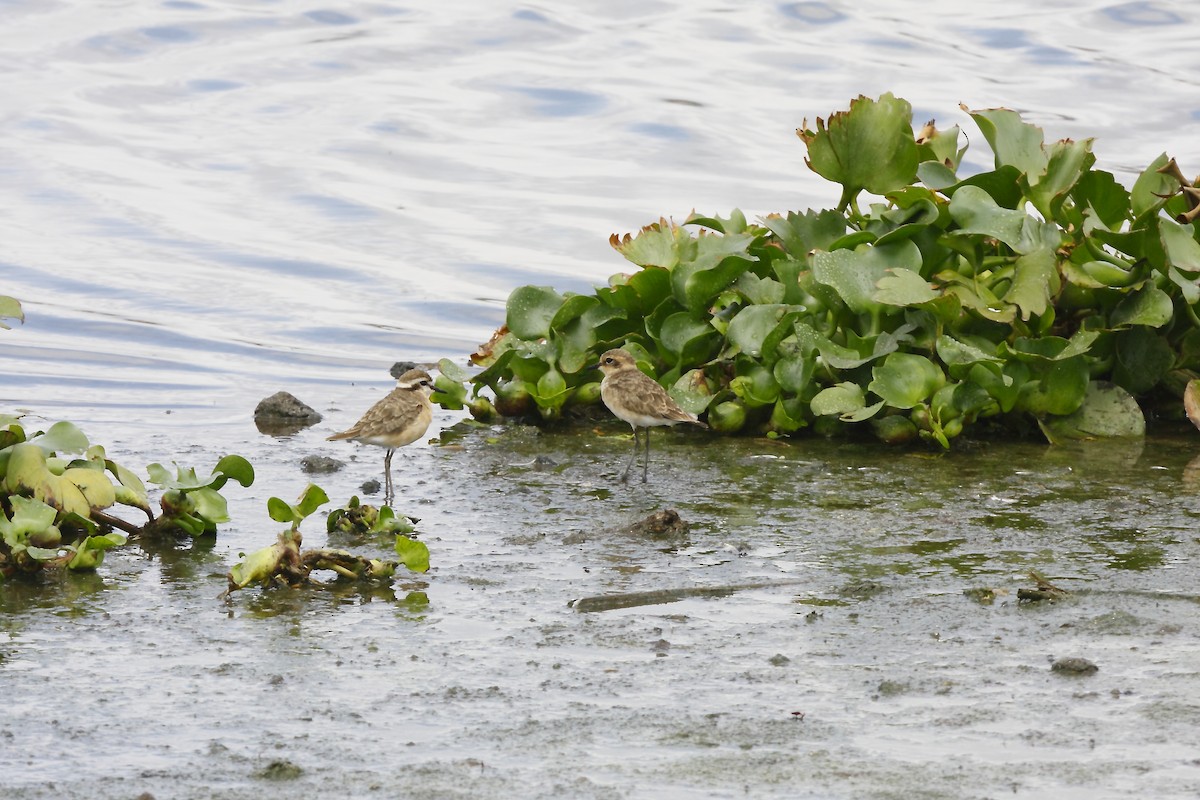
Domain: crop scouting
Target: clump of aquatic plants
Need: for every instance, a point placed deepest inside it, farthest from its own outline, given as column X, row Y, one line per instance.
column 284, row 564
column 931, row 298
column 58, row 492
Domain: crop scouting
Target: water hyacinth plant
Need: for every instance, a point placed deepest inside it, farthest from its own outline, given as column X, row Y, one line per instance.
column 1039, row 292
column 57, row 492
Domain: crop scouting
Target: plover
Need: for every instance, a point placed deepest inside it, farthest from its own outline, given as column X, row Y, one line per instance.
column 398, row 419
column 636, row 398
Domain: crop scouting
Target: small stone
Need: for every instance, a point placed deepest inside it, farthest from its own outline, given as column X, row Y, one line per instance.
column 401, row 367
column 370, row 487
column 282, row 414
column 282, row 770
column 779, row 660
column 320, row 465
column 1073, row 665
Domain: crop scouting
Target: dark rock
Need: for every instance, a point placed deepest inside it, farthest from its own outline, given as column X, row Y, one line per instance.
column 320, row 465
column 1073, row 665
column 659, row 524
column 401, row 367
column 282, row 770
column 370, row 487
column 779, row 660
column 282, row 414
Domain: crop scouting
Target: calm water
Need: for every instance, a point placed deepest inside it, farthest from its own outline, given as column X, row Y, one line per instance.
column 205, row 202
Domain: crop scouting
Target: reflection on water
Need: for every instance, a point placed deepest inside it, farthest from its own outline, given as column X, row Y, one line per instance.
column 319, row 192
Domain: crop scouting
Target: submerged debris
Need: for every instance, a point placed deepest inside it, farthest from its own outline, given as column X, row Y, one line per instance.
column 1044, row 590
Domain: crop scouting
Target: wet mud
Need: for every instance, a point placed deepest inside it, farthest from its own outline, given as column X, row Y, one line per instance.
column 833, row 620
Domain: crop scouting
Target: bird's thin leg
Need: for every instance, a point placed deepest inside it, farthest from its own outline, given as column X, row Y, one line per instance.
column 632, row 456
column 646, row 461
column 387, row 477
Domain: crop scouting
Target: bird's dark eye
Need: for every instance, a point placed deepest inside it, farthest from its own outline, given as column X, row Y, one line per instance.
column 608, row 360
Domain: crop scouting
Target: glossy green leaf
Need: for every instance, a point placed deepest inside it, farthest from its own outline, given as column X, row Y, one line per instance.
column 903, row 287
column 530, row 310
column 854, row 275
column 749, row 329
column 870, row 146
column 1149, row 306
column 1151, row 188
column 755, row 385
column 413, row 554
column 62, row 437
column 1060, row 389
column 10, row 308
column 719, row 261
column 1107, row 411
column 1141, row 359
column 841, row 399
column 687, row 336
column 802, row 233
column 1014, row 142
column 1035, row 281
column 905, row 379
column 1179, row 243
column 657, row 245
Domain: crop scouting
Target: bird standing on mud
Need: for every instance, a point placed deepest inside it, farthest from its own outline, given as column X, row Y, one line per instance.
column 398, row 419
column 636, row 398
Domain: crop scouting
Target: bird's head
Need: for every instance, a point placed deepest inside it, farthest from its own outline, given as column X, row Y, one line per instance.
column 615, row 360
column 416, row 380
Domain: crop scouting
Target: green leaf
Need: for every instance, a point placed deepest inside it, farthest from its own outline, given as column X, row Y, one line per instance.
column 1106, row 411
column 1060, row 390
column 1015, row 142
column 719, row 261
column 1035, row 281
column 656, row 245
column 749, row 329
column 453, row 371
column 1150, row 306
column 793, row 372
column 311, row 499
column 841, row 399
column 234, row 467
column 760, row 291
column 854, row 274
column 1142, row 359
column 689, row 337
column 1151, row 189
column 870, row 147
column 801, row 233
column 530, row 310
column 90, row 551
column 10, row 308
column 1107, row 199
column 936, row 175
column 754, row 384
column 976, row 212
column 1179, row 243
column 29, row 515
column 903, row 287
column 413, row 554
column 62, row 437
column 959, row 356
column 1067, row 161
column 572, row 308
column 905, row 379
column 281, row 511
column 692, row 392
